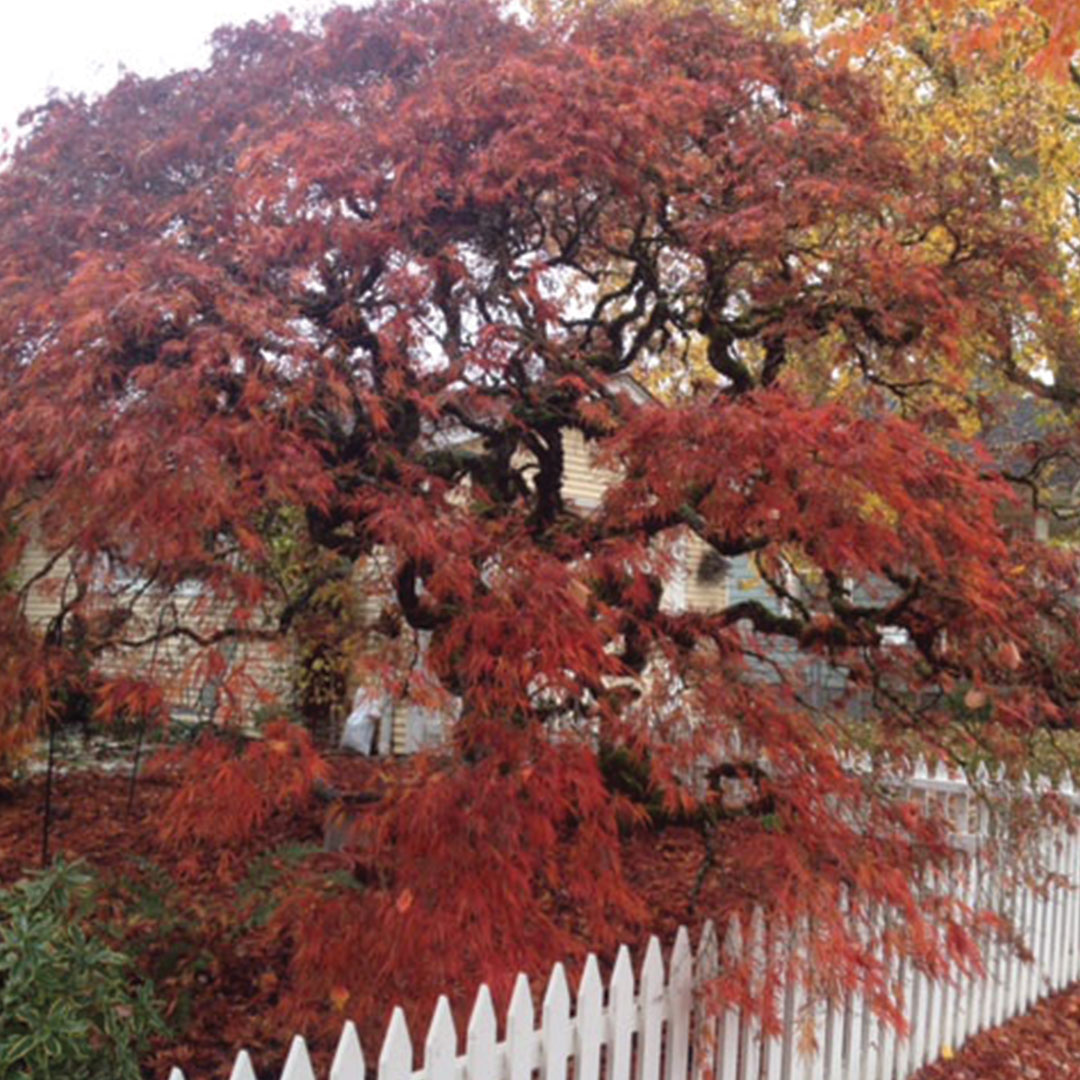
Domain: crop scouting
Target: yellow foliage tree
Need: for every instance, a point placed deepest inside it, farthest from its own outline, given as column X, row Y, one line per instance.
column 985, row 93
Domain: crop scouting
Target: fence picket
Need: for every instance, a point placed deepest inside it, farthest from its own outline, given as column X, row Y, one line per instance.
column 904, row 1056
column 621, row 1016
column 1041, row 935
column 1031, row 940
column 679, row 995
column 833, row 1048
column 773, row 1048
column 298, row 1063
column 704, row 1035
column 348, row 1063
column 242, row 1068
column 556, row 1036
column 1075, row 920
column 871, row 1022
column 751, row 1025
column 396, row 1056
column 790, row 997
column 590, row 1024
column 663, row 1030
column 976, row 984
column 440, row 1046
column 1072, row 950
column 811, row 1050
column 999, row 988
column 950, row 1007
column 964, row 979
column 934, row 1003
column 1056, row 954
column 520, row 1040
column 481, row 1054
column 728, row 1047
column 855, row 1036
column 651, row 1012
column 887, row 1054
column 1015, row 967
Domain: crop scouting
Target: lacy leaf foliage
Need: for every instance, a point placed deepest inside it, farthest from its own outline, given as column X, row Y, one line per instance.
column 366, row 280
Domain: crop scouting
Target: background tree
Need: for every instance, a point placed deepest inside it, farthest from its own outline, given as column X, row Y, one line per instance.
column 368, row 278
column 996, row 84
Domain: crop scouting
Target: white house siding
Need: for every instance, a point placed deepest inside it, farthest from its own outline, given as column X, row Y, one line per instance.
column 584, row 483
column 253, row 673
column 257, row 672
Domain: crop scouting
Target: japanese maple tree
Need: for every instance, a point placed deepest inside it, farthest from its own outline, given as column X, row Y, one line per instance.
column 359, row 283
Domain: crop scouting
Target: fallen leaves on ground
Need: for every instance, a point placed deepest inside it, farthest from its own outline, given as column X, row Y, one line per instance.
column 222, row 975
column 195, row 925
column 1043, row 1044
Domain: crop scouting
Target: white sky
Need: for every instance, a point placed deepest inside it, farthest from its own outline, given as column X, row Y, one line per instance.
column 84, row 45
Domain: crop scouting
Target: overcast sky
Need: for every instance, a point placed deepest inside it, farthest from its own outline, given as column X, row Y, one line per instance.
column 84, row 45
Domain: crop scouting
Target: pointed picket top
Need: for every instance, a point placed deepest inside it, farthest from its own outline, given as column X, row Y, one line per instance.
column 982, row 774
column 396, row 1056
column 682, row 961
column 298, row 1063
column 652, row 967
column 920, row 771
column 557, row 995
column 622, row 976
column 733, row 944
column 480, row 1039
column 800, row 944
column 590, row 1022
column 1025, row 782
column 519, row 1031
column 681, row 958
column 1000, row 778
column 590, row 988
column 556, row 1032
column 756, row 938
column 1043, row 784
column 348, row 1063
column 1067, row 788
column 707, row 960
column 176, row 1074
column 440, row 1047
column 520, row 1011
column 779, row 945
column 242, row 1068
column 941, row 771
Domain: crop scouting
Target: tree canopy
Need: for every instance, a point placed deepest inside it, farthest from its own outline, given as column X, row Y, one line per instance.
column 360, row 282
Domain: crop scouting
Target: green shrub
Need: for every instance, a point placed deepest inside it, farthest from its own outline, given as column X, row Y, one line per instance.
column 70, row 1007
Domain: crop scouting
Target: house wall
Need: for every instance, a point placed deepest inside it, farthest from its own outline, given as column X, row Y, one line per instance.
column 238, row 677
column 232, row 679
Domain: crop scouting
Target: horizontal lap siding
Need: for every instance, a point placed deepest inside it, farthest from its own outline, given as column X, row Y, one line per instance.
column 705, row 591
column 230, row 680
column 255, row 672
column 44, row 596
column 583, row 483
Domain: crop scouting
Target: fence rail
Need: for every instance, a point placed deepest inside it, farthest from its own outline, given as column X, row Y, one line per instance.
column 654, row 1027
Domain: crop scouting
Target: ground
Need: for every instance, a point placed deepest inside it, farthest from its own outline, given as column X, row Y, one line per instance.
column 1044, row 1044
column 204, row 934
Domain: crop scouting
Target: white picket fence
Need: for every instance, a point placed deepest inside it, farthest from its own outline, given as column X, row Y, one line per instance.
column 657, row 1028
